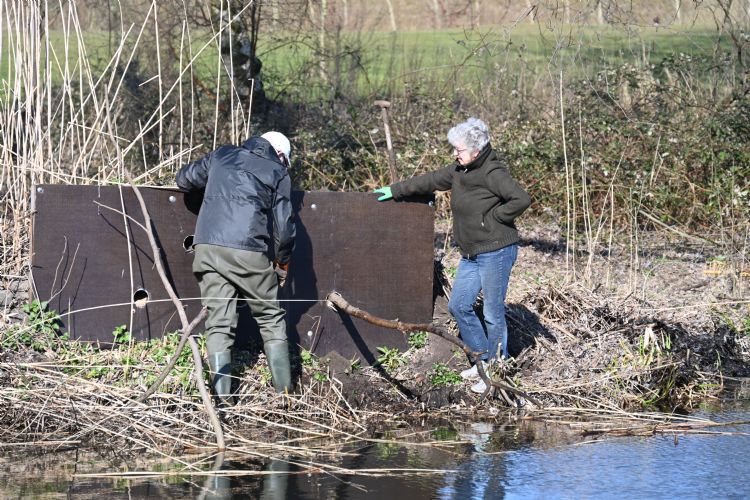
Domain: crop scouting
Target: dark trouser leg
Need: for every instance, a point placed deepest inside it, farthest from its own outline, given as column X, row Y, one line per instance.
column 219, row 296
column 254, row 277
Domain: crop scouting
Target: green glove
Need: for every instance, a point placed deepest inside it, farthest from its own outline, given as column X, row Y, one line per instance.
column 385, row 192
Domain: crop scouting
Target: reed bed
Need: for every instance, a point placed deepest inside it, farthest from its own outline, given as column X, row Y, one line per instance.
column 592, row 364
column 46, row 407
column 592, row 352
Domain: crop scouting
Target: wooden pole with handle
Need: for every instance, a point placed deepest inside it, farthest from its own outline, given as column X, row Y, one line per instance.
column 384, row 107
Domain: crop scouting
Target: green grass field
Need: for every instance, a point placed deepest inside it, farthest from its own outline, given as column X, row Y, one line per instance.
column 461, row 58
column 371, row 62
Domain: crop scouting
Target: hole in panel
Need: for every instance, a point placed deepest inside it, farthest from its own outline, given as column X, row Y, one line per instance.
column 140, row 298
column 187, row 243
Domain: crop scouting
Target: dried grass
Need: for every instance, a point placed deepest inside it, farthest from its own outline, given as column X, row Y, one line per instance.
column 594, row 353
column 44, row 403
column 594, row 365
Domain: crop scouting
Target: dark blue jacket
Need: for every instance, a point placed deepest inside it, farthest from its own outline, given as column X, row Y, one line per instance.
column 246, row 201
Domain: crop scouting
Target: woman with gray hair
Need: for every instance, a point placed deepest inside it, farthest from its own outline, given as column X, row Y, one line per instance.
column 485, row 201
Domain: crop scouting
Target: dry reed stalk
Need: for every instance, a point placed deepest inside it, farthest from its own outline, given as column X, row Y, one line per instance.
column 613, row 357
column 101, row 413
column 167, row 369
column 308, row 469
column 61, row 131
column 156, row 254
column 569, row 188
column 135, row 422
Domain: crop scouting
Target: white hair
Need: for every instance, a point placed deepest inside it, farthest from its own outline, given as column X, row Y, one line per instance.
column 473, row 134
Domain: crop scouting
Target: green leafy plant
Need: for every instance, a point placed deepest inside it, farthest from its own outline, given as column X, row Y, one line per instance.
column 308, row 358
column 355, row 366
column 311, row 361
column 43, row 328
column 390, row 358
column 386, row 451
column 122, row 334
column 445, row 434
column 97, row 372
column 652, row 345
column 40, row 319
column 265, row 373
column 417, row 340
column 442, row 376
column 164, row 349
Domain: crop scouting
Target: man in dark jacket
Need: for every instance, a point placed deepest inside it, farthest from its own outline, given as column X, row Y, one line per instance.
column 485, row 201
column 246, row 214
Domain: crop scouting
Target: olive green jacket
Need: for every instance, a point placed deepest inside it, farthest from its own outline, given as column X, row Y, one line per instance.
column 485, row 201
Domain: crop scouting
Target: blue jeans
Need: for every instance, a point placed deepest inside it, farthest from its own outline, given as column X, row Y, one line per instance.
column 488, row 272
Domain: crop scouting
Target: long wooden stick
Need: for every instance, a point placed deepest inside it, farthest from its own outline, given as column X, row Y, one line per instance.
column 198, row 373
column 186, row 326
column 183, row 340
column 384, row 106
column 339, row 302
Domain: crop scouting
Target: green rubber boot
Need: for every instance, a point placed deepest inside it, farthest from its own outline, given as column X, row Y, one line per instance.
column 220, row 364
column 277, row 354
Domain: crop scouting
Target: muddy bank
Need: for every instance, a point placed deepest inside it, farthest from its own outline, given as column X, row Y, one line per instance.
column 570, row 347
column 657, row 326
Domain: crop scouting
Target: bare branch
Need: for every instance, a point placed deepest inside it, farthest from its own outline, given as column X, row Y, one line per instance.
column 340, row 303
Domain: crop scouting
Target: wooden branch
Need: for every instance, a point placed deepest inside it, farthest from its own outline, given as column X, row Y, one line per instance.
column 183, row 340
column 340, row 303
column 207, row 404
column 147, row 222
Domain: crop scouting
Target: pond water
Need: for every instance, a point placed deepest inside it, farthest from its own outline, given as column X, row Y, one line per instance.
column 515, row 460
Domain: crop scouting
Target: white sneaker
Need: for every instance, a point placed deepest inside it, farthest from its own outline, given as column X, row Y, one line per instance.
column 470, row 373
column 479, row 387
column 473, row 372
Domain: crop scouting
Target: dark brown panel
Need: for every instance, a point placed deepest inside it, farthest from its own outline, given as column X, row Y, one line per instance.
column 377, row 255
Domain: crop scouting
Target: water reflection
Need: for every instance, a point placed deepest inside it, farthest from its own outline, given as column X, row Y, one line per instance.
column 480, row 477
column 221, row 487
column 274, row 486
column 216, row 487
column 518, row 459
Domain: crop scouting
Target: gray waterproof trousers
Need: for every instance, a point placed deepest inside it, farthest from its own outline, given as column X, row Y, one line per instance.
column 228, row 274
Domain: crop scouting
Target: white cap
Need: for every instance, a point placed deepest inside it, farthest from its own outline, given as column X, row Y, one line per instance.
column 280, row 143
